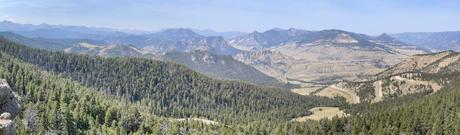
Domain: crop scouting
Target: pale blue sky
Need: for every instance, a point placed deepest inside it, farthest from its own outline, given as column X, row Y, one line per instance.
column 364, row 16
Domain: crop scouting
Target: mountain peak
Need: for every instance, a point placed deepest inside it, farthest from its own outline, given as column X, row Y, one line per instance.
column 216, row 38
column 44, row 24
column 334, row 31
column 385, row 37
column 276, row 29
column 7, row 21
column 345, row 38
column 176, row 34
column 255, row 32
column 178, row 30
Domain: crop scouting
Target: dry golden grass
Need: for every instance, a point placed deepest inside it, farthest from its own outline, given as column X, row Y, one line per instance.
column 205, row 121
column 322, row 112
column 334, row 91
column 305, row 90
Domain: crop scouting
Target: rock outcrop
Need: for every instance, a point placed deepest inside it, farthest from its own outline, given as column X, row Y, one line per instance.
column 9, row 108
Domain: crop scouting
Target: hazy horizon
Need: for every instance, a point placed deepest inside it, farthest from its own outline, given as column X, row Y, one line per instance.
column 368, row 17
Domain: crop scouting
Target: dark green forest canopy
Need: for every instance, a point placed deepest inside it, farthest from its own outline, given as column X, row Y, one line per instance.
column 57, row 105
column 170, row 89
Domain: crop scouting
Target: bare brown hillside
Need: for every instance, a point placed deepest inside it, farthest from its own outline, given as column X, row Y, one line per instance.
column 418, row 73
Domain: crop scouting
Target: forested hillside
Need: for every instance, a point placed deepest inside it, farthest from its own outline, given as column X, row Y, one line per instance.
column 223, row 67
column 214, row 65
column 52, row 104
column 170, row 89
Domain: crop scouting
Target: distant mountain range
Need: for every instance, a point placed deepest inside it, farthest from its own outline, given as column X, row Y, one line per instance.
column 47, row 43
column 58, row 31
column 226, row 35
column 436, row 41
column 182, row 40
column 289, row 55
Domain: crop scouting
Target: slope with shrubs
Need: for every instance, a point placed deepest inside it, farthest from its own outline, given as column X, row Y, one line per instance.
column 419, row 113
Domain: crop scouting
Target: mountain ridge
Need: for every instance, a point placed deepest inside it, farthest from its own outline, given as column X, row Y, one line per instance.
column 436, row 41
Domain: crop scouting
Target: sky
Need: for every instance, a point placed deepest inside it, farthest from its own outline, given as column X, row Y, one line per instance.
column 363, row 16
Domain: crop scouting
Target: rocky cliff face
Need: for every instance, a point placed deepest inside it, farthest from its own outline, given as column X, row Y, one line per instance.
column 9, row 108
column 272, row 63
